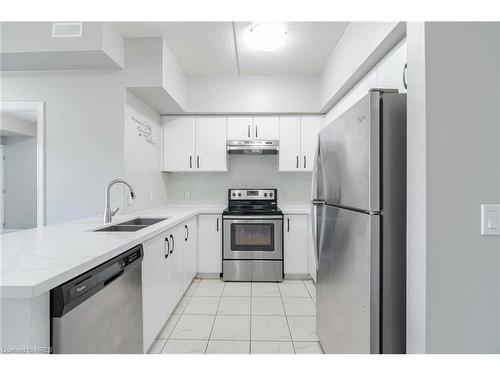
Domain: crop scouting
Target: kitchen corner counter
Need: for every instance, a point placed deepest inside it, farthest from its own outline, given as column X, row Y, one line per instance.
column 36, row 260
column 290, row 209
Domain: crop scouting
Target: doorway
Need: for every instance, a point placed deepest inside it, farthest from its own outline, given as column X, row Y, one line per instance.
column 22, row 196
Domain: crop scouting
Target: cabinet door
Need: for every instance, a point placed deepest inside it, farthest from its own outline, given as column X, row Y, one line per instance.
column 190, row 250
column 239, row 128
column 289, row 154
column 266, row 127
column 178, row 143
column 211, row 154
column 296, row 244
column 175, row 266
column 210, row 244
column 154, row 288
column 310, row 128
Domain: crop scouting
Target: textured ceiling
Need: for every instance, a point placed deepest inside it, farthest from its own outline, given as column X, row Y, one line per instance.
column 208, row 48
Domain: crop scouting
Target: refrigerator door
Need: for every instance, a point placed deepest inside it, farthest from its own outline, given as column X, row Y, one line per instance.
column 350, row 156
column 347, row 319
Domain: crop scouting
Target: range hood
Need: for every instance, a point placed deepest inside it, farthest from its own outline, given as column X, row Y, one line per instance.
column 253, row 147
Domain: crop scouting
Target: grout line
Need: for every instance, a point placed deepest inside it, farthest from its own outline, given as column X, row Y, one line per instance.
column 251, row 316
column 182, row 312
column 215, row 317
column 287, row 324
column 308, row 292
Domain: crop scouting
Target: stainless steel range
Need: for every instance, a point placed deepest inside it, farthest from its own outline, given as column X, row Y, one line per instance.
column 252, row 236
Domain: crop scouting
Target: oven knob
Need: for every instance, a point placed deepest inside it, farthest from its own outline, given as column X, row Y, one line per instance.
column 271, row 195
column 234, row 194
column 265, row 195
column 239, row 194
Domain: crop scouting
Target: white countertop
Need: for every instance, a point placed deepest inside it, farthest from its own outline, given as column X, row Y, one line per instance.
column 36, row 260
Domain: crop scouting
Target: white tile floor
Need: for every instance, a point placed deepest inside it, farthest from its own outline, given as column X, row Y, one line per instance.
column 217, row 317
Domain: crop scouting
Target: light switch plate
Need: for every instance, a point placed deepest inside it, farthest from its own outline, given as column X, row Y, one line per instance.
column 490, row 219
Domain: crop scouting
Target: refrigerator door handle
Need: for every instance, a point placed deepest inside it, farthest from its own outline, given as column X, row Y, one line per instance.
column 315, row 202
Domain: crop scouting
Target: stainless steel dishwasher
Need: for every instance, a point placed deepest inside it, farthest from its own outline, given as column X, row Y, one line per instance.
column 100, row 311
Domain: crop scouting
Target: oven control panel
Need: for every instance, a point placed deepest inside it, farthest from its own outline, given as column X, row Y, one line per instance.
column 252, row 194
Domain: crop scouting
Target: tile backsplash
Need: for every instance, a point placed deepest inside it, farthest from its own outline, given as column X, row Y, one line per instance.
column 244, row 171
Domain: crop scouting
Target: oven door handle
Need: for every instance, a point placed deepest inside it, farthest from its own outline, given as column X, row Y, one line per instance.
column 253, row 217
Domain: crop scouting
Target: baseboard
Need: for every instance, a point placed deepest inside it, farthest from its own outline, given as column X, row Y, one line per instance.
column 298, row 276
column 201, row 275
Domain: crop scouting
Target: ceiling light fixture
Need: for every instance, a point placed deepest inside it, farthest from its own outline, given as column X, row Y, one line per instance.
column 267, row 36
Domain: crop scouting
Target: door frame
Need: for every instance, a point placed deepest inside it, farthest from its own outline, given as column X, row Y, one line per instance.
column 40, row 152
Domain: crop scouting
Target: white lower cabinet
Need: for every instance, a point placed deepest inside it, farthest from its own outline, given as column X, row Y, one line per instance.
column 155, row 285
column 163, row 280
column 190, row 250
column 175, row 244
column 210, row 244
column 296, row 244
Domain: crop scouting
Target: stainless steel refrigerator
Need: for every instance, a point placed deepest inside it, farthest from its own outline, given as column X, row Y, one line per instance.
column 359, row 227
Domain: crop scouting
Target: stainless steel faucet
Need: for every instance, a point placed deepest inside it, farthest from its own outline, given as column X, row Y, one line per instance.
column 108, row 214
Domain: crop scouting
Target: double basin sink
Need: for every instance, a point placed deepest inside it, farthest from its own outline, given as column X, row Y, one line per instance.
column 131, row 225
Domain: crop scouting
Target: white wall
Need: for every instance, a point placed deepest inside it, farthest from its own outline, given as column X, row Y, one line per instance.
column 361, row 47
column 458, row 139
column 388, row 73
column 253, row 94
column 84, row 118
column 245, row 171
column 173, row 77
column 13, row 125
column 416, row 191
column 30, row 46
column 143, row 155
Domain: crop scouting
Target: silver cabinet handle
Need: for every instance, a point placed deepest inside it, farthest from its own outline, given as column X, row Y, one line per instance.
column 256, row 134
column 297, row 163
column 198, row 161
column 190, row 161
column 405, row 71
column 288, row 224
column 173, row 244
column 217, row 224
column 304, row 161
column 187, row 232
column 167, row 247
column 248, row 131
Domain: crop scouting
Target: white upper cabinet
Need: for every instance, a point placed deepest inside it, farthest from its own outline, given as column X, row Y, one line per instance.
column 211, row 155
column 266, row 127
column 309, row 130
column 194, row 144
column 289, row 154
column 298, row 140
column 178, row 143
column 239, row 128
column 257, row 127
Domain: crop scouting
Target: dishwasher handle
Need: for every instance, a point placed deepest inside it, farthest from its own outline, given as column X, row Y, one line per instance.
column 69, row 295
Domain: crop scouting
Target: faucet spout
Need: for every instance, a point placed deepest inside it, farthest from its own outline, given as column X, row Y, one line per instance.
column 108, row 213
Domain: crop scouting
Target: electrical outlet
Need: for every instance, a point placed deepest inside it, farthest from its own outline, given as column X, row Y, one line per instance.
column 187, row 195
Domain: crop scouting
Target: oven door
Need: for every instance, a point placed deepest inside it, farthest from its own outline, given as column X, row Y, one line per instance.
column 253, row 237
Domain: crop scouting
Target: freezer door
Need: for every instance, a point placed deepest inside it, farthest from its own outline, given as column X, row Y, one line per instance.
column 348, row 282
column 350, row 156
